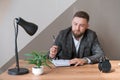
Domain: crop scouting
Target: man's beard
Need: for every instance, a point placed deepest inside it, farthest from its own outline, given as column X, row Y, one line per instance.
column 77, row 35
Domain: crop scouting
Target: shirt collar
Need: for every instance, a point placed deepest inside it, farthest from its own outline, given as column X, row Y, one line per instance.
column 76, row 39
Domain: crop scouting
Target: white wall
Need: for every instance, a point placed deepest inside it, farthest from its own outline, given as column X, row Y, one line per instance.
column 40, row 12
column 104, row 19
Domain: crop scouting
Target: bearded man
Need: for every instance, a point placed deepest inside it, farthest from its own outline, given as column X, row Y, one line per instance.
column 77, row 43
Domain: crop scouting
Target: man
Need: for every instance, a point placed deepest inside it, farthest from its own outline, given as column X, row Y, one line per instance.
column 77, row 43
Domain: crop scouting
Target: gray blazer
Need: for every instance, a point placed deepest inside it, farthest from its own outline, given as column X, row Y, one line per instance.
column 89, row 46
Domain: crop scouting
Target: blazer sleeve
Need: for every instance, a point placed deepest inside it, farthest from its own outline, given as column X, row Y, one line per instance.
column 96, row 50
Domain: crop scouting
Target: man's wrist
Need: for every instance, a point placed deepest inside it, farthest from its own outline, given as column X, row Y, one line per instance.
column 87, row 60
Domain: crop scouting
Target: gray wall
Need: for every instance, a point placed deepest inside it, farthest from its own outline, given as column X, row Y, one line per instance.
column 104, row 19
column 44, row 40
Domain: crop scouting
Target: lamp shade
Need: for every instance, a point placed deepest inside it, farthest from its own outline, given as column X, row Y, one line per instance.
column 29, row 27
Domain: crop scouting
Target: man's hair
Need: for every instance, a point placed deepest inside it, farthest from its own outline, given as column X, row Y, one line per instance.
column 82, row 14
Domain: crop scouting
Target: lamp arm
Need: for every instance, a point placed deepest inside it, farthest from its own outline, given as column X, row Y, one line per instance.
column 17, row 70
column 16, row 48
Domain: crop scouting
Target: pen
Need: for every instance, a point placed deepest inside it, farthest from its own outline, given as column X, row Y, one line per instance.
column 53, row 38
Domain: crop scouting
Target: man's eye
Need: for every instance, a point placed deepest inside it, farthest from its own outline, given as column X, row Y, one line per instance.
column 82, row 25
column 75, row 23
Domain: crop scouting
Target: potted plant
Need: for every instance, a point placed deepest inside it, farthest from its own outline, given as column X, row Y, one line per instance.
column 39, row 59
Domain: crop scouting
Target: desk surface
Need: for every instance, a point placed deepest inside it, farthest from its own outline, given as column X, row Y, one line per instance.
column 86, row 72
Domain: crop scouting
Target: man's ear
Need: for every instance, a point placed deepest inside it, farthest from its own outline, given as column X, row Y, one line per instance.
column 87, row 26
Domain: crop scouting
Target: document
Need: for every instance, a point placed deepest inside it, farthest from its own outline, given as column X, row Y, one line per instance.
column 61, row 62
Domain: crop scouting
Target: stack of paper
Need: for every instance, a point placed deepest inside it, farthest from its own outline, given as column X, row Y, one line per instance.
column 61, row 62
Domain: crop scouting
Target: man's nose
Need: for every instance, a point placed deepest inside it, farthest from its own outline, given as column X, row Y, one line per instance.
column 77, row 27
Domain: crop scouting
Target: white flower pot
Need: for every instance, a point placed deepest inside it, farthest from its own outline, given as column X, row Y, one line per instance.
column 37, row 71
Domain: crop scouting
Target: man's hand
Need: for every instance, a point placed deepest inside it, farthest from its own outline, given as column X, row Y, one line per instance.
column 53, row 51
column 78, row 61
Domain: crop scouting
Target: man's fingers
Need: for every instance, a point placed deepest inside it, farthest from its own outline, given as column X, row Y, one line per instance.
column 79, row 64
column 53, row 51
column 77, row 61
column 55, row 47
column 73, row 61
column 76, row 64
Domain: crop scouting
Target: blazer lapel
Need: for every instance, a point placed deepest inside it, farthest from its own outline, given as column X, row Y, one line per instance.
column 69, row 45
column 81, row 47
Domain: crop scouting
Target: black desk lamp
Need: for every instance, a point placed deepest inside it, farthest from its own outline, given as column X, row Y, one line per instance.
column 30, row 28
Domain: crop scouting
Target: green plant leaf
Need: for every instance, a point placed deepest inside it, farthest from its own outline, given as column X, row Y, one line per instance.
column 37, row 58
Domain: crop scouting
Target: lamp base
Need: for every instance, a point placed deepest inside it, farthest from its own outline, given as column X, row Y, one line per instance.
column 14, row 71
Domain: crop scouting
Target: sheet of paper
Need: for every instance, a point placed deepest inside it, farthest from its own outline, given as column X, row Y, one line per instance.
column 61, row 62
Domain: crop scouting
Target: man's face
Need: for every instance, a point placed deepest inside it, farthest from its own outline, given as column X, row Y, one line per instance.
column 79, row 25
